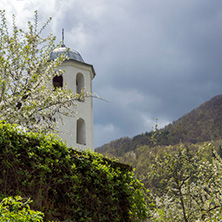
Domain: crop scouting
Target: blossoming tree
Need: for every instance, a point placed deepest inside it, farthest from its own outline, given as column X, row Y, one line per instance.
column 27, row 95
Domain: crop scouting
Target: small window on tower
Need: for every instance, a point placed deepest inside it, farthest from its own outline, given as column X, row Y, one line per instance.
column 79, row 82
column 81, row 132
column 57, row 81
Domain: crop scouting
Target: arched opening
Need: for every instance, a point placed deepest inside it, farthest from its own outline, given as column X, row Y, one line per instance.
column 81, row 132
column 79, row 82
column 57, row 81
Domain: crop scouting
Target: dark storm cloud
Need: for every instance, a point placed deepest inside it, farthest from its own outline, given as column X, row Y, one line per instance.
column 153, row 58
column 168, row 51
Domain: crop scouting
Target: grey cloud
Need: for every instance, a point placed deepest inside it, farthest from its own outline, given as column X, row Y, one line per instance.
column 173, row 54
column 153, row 58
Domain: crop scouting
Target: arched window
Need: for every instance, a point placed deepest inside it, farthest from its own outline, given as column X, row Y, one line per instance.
column 57, row 81
column 79, row 82
column 81, row 132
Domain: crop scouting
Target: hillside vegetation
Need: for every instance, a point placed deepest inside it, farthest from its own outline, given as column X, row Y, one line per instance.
column 200, row 125
column 180, row 164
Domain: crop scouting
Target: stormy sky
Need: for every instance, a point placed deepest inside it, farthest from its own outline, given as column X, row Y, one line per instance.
column 153, row 58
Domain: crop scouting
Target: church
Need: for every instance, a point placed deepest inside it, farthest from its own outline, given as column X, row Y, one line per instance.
column 78, row 75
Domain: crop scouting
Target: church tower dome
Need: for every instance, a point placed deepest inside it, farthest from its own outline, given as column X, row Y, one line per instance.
column 72, row 54
column 78, row 75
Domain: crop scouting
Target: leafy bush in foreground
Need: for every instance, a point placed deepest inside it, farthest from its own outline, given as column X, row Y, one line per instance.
column 67, row 184
column 16, row 209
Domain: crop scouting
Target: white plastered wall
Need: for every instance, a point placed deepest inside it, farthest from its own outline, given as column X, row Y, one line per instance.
column 84, row 110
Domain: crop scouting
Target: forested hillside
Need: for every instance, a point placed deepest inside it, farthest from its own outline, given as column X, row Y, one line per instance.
column 180, row 165
column 201, row 124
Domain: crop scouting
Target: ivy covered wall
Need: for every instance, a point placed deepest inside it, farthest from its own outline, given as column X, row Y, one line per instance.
column 66, row 184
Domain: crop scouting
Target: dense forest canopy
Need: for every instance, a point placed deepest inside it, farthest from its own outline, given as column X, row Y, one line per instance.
column 200, row 125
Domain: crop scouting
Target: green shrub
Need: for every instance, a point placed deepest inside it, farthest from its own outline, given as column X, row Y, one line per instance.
column 67, row 184
column 16, row 209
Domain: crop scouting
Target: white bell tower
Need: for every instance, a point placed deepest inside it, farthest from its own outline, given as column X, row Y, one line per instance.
column 77, row 75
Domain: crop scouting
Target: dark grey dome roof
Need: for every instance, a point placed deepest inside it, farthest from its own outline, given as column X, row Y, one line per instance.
column 72, row 54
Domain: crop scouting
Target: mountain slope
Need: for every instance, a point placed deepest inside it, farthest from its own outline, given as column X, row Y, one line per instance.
column 201, row 124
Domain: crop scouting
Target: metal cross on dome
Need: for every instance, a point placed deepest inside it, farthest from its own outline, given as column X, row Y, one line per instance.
column 63, row 44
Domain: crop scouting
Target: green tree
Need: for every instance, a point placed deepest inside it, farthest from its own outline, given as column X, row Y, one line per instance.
column 27, row 96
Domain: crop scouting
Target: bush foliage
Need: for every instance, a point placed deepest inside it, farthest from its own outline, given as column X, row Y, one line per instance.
column 17, row 209
column 67, row 184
